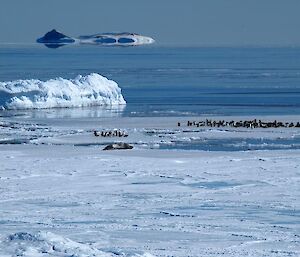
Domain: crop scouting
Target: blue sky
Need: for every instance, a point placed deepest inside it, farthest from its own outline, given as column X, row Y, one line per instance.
column 170, row 22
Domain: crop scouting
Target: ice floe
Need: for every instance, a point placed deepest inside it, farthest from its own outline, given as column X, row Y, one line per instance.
column 82, row 91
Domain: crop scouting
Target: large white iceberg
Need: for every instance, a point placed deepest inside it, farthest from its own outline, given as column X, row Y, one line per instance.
column 82, row 91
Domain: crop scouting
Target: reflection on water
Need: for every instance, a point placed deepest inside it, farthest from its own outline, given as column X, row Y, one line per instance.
column 152, row 110
column 60, row 113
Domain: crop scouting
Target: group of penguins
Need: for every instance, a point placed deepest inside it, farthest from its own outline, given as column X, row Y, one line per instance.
column 110, row 133
column 214, row 123
column 245, row 124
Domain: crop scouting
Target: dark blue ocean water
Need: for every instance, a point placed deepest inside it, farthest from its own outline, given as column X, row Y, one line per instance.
column 174, row 81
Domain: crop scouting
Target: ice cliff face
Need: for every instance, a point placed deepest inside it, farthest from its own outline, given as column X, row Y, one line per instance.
column 82, row 91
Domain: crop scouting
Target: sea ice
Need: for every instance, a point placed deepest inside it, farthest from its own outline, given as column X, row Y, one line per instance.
column 168, row 203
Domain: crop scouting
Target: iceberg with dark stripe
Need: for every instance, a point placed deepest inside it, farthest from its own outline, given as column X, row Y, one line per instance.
column 90, row 90
column 55, row 39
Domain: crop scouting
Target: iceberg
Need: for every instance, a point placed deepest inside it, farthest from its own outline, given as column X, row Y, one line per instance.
column 55, row 39
column 116, row 39
column 83, row 91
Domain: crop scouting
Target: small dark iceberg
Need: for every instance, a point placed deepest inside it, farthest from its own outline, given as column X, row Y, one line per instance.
column 55, row 39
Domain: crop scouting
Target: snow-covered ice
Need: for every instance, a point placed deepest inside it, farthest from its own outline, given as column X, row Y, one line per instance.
column 50, row 244
column 89, row 90
column 61, row 195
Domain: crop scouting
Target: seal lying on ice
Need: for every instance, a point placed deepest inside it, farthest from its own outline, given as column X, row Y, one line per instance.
column 118, row 146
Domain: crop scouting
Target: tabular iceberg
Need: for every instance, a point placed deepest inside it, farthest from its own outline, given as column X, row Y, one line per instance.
column 55, row 39
column 116, row 39
column 82, row 91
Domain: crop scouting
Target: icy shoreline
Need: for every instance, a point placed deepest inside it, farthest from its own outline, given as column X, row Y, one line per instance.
column 144, row 132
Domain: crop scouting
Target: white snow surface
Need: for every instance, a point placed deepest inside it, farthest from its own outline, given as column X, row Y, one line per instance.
column 89, row 202
column 82, row 91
